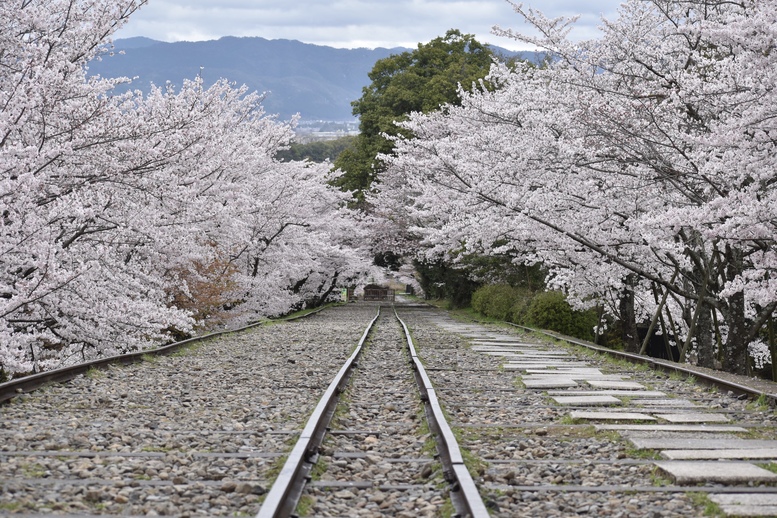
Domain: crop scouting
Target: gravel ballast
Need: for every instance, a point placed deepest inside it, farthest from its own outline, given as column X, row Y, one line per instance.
column 205, row 432
column 201, row 432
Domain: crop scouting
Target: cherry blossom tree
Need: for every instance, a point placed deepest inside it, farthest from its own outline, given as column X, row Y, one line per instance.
column 639, row 167
column 116, row 208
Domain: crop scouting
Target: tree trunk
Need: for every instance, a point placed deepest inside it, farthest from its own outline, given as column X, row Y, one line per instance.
column 628, row 317
column 772, row 348
column 735, row 353
column 704, row 339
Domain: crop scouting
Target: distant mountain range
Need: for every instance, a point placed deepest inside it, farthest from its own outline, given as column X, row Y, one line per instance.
column 315, row 81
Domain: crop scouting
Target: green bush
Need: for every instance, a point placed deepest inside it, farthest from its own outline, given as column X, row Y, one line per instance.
column 545, row 310
column 520, row 307
column 550, row 310
column 501, row 301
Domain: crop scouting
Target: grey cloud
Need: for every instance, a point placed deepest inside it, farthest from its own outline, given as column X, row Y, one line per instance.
column 347, row 23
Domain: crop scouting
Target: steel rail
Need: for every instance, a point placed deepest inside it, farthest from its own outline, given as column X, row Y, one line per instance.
column 464, row 493
column 660, row 364
column 285, row 492
column 10, row 389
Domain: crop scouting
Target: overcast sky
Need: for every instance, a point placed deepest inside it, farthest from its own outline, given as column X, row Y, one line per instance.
column 351, row 23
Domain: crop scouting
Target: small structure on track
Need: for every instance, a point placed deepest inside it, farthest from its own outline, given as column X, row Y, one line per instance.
column 375, row 292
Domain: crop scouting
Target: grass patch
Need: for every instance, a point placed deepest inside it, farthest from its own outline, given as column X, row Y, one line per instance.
column 94, row 373
column 318, row 469
column 760, row 404
column 569, row 420
column 643, row 454
column 447, row 510
column 150, row 358
column 155, row 449
column 702, row 501
column 658, row 478
column 676, row 376
column 305, row 505
column 475, row 465
column 187, row 351
column 275, row 468
column 33, row 470
column 770, row 466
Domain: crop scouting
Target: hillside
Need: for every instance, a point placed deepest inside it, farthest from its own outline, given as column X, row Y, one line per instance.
column 318, row 82
column 315, row 81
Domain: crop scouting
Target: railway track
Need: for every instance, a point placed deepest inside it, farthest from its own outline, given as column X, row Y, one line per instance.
column 390, row 437
column 562, row 431
column 199, row 432
column 546, row 428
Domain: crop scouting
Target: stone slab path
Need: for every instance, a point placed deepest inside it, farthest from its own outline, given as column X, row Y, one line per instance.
column 634, row 407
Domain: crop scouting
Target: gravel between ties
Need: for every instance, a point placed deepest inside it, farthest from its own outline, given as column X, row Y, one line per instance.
column 195, row 433
column 385, row 448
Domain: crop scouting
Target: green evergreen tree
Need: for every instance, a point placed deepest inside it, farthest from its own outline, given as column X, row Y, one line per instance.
column 415, row 81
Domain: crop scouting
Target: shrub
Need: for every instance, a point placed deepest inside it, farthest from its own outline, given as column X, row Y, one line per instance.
column 546, row 310
column 495, row 301
column 550, row 310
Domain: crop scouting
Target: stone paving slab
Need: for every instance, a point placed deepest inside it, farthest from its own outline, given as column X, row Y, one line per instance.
column 572, row 371
column 659, row 443
column 698, row 428
column 747, row 511
column 509, row 343
column 641, row 393
column 611, row 416
column 505, row 343
column 505, row 350
column 542, row 365
column 525, row 366
column 694, row 417
column 740, row 454
column 586, row 400
column 695, row 472
column 531, row 355
column 677, row 403
column 545, row 362
column 621, row 385
column 500, row 350
column 546, row 383
column 745, row 498
column 571, row 375
column 746, row 504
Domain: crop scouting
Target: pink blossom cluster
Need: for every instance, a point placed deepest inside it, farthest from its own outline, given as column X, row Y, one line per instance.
column 636, row 165
column 110, row 204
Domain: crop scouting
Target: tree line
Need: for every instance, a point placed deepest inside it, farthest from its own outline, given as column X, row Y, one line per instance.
column 127, row 220
column 637, row 168
column 635, row 171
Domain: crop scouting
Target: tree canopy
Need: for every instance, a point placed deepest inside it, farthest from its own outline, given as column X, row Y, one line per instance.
column 128, row 219
column 422, row 80
column 639, row 168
